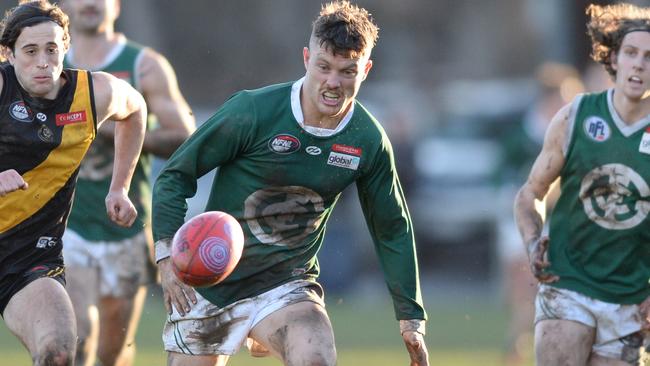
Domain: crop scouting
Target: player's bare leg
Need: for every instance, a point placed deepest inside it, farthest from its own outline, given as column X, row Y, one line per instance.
column 53, row 341
column 119, row 318
column 179, row 359
column 298, row 334
column 82, row 284
column 563, row 342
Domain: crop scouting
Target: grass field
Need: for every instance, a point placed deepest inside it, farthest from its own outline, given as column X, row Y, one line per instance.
column 468, row 331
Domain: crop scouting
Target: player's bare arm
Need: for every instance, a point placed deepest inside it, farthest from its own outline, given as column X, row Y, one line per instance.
column 414, row 341
column 118, row 101
column 544, row 172
column 176, row 294
column 164, row 99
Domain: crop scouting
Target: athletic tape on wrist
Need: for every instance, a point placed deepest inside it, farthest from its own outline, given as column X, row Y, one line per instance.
column 163, row 249
column 413, row 325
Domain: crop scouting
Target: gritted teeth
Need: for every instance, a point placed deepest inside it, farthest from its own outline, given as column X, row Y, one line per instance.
column 330, row 95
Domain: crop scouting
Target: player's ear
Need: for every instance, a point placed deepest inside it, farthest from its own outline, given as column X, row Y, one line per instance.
column 613, row 59
column 118, row 7
column 6, row 55
column 305, row 56
column 367, row 68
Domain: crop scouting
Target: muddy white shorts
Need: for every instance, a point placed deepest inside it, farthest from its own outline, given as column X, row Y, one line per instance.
column 209, row 330
column 122, row 266
column 618, row 334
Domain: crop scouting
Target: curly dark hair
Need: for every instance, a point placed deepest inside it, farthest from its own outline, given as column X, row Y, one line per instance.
column 345, row 29
column 607, row 27
column 28, row 14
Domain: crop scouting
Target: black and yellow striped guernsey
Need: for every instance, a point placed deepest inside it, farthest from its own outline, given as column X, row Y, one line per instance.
column 44, row 141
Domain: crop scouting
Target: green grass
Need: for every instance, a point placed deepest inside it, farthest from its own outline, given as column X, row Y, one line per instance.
column 464, row 332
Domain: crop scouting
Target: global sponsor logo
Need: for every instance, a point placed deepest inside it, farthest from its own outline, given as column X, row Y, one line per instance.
column 351, row 150
column 41, row 116
column 597, row 129
column 313, row 150
column 284, row 144
column 343, row 160
column 63, row 119
column 21, row 112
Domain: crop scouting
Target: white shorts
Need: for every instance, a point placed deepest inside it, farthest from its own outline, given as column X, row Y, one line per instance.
column 122, row 266
column 209, row 330
column 618, row 327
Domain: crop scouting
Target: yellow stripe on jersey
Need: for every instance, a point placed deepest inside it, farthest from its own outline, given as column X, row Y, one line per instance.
column 46, row 179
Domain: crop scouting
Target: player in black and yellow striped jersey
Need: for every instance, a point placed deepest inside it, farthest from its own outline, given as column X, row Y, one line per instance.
column 48, row 118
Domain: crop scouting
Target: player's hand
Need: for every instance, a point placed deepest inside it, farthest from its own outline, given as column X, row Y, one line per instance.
column 538, row 260
column 414, row 342
column 11, row 181
column 175, row 293
column 644, row 310
column 120, row 209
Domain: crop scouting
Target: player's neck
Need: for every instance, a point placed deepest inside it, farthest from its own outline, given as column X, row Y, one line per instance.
column 89, row 51
column 631, row 110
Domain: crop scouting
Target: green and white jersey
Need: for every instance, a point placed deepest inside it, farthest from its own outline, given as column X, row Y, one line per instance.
column 281, row 183
column 88, row 218
column 599, row 230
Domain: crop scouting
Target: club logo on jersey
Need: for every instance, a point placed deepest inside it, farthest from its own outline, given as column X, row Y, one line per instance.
column 21, row 112
column 45, row 134
column 356, row 151
column 283, row 216
column 313, row 150
column 644, row 146
column 343, row 160
column 615, row 197
column 41, row 117
column 284, row 144
column 63, row 119
column 597, row 129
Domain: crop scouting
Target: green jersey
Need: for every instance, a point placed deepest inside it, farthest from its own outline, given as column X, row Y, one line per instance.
column 87, row 218
column 281, row 183
column 599, row 237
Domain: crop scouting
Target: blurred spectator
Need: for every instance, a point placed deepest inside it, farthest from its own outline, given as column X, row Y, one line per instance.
column 557, row 84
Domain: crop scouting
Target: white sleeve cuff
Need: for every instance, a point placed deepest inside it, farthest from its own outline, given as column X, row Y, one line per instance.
column 163, row 249
column 413, row 325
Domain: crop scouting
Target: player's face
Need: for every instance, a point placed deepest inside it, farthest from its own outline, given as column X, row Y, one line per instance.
column 632, row 64
column 331, row 82
column 38, row 59
column 91, row 16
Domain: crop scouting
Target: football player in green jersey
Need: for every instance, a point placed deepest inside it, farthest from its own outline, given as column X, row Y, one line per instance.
column 108, row 265
column 285, row 153
column 593, row 267
column 49, row 117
